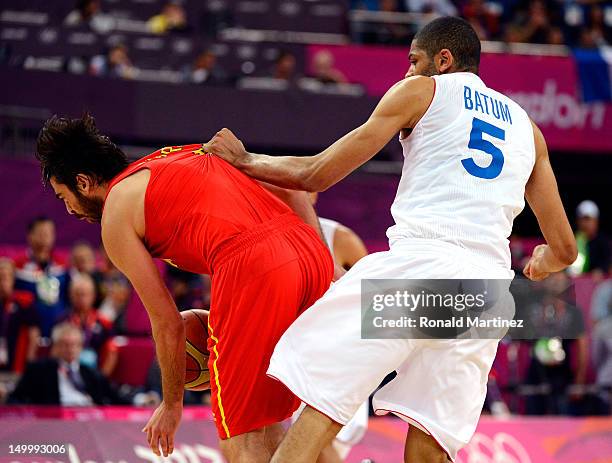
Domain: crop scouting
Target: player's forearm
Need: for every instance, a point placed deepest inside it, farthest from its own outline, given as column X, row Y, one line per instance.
column 169, row 338
column 284, row 171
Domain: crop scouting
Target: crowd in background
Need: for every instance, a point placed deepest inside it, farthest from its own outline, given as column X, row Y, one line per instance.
column 576, row 23
column 583, row 24
column 62, row 320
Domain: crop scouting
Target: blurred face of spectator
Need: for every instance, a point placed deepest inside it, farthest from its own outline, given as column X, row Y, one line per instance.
column 323, row 62
column 92, row 7
column 388, row 5
column 588, row 225
column 587, row 38
column 175, row 14
column 538, row 15
column 118, row 56
column 68, row 347
column 7, row 278
column 41, row 237
column 84, row 206
column 555, row 36
column 206, row 60
column 82, row 295
column 597, row 16
column 83, row 258
column 285, row 66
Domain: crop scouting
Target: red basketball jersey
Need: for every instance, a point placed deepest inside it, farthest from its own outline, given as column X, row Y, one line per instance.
column 195, row 202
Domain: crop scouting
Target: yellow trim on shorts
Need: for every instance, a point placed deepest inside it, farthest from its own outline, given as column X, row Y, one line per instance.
column 216, row 372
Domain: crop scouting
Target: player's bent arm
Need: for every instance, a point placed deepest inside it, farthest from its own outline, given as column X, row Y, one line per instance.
column 401, row 107
column 543, row 197
column 348, row 247
column 127, row 252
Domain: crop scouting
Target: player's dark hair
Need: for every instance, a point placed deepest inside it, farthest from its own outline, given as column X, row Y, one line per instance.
column 454, row 34
column 68, row 147
column 36, row 221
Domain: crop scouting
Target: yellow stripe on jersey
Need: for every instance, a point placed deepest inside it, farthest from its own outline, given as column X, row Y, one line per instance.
column 216, row 373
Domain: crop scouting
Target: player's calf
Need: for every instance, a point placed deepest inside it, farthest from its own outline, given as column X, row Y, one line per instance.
column 423, row 448
column 306, row 438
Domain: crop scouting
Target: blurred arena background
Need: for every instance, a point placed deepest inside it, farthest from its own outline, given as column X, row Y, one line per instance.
column 288, row 77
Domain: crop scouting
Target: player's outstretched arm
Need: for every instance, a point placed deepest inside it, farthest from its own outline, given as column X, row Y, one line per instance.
column 401, row 107
column 127, row 252
column 543, row 197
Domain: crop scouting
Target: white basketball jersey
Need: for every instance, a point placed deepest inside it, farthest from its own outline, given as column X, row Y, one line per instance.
column 329, row 227
column 466, row 164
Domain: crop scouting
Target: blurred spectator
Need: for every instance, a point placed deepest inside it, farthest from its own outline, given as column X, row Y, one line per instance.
column 601, row 302
column 62, row 379
column 39, row 273
column 284, row 66
column 484, row 18
column 115, row 63
column 99, row 348
column 437, row 7
column 171, row 19
column 19, row 331
column 117, row 294
column 598, row 33
column 602, row 362
column 324, row 68
column 83, row 261
column 205, row 70
column 389, row 32
column 561, row 331
column 532, row 26
column 593, row 246
column 90, row 12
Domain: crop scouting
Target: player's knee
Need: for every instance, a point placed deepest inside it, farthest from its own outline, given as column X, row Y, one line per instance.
column 246, row 448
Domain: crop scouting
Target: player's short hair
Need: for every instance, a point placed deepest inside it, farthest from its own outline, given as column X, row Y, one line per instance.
column 68, row 147
column 455, row 34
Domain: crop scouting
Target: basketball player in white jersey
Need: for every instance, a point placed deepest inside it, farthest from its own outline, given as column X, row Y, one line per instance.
column 471, row 156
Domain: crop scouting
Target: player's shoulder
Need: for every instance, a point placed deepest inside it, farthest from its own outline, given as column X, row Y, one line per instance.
column 414, row 85
column 123, row 199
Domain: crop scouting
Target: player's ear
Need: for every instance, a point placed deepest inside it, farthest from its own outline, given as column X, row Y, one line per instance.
column 84, row 183
column 444, row 61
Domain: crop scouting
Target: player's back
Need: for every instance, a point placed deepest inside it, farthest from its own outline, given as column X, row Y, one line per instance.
column 195, row 202
column 466, row 165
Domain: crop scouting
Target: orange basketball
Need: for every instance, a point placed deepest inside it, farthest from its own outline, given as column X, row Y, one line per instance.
column 197, row 376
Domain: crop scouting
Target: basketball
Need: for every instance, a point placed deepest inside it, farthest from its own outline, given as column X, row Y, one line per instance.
column 197, row 376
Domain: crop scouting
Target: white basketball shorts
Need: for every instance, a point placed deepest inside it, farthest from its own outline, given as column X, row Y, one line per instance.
column 440, row 385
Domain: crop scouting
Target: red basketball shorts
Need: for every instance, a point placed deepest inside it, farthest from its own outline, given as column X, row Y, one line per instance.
column 262, row 280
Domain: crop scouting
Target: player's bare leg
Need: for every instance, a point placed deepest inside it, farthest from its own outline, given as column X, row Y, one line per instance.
column 306, row 438
column 422, row 448
column 253, row 447
column 329, row 455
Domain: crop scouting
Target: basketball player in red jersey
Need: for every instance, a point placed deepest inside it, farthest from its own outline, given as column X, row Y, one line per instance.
column 199, row 213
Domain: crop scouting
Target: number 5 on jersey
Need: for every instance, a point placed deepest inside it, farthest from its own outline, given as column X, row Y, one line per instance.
column 478, row 143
